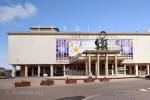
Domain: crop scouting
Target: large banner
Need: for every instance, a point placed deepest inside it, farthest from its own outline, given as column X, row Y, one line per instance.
column 126, row 47
column 62, row 49
column 68, row 48
column 74, row 47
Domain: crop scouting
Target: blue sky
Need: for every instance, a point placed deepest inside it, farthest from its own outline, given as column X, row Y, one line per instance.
column 88, row 15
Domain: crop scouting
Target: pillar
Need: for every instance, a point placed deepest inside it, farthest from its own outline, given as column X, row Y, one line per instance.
column 32, row 71
column 140, row 70
column 136, row 70
column 96, row 68
column 39, row 70
column 64, row 70
column 147, row 69
column 13, row 71
column 86, row 67
column 116, row 69
column 26, row 71
column 98, row 65
column 43, row 70
column 130, row 70
column 51, row 70
column 112, row 69
column 106, row 65
column 89, row 64
column 125, row 69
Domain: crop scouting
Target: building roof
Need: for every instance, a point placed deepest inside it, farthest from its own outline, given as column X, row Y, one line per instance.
column 75, row 33
column 45, row 28
column 2, row 68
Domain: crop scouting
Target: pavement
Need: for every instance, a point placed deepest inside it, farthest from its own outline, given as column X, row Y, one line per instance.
column 116, row 89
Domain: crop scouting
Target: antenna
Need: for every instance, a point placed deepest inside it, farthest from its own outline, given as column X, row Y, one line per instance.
column 99, row 29
column 147, row 30
column 88, row 29
column 136, row 29
column 65, row 29
column 111, row 28
column 77, row 29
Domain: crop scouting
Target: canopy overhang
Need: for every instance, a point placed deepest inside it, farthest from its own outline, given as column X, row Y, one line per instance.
column 81, row 58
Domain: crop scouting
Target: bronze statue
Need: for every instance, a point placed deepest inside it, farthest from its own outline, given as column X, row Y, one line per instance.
column 101, row 42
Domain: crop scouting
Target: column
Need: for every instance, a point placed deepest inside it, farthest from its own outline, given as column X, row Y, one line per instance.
column 98, row 65
column 106, row 65
column 43, row 70
column 39, row 70
column 86, row 67
column 147, row 69
column 140, row 70
column 13, row 71
column 51, row 70
column 96, row 68
column 136, row 70
column 32, row 71
column 130, row 70
column 116, row 69
column 64, row 70
column 26, row 71
column 125, row 69
column 89, row 64
column 112, row 69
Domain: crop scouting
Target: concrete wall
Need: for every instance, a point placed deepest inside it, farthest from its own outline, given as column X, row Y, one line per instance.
column 32, row 49
column 141, row 48
column 41, row 49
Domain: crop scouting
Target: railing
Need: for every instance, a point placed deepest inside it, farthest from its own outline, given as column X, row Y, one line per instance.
column 142, row 72
column 75, row 72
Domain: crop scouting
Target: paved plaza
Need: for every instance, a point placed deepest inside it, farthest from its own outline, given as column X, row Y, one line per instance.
column 116, row 89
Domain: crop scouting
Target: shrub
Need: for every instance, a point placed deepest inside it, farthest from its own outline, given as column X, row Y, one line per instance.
column 47, row 82
column 90, row 79
column 22, row 84
column 70, row 81
column 104, row 79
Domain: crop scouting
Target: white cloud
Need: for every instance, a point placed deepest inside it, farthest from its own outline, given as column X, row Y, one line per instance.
column 9, row 13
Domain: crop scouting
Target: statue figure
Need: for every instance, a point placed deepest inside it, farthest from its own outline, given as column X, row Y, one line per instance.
column 101, row 41
column 97, row 43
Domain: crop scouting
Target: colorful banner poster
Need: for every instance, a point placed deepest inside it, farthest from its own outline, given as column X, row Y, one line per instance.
column 74, row 47
column 66, row 49
column 62, row 50
column 126, row 48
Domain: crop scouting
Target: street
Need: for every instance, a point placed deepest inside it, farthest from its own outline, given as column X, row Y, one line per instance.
column 119, row 89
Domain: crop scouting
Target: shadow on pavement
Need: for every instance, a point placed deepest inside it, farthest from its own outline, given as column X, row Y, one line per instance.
column 72, row 98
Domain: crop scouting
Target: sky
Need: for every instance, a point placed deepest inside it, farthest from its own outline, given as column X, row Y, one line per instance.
column 71, row 15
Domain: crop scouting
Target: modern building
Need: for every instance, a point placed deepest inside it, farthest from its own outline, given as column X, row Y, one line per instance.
column 48, row 51
column 2, row 70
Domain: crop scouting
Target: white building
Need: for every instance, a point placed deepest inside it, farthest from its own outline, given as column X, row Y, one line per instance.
column 46, row 50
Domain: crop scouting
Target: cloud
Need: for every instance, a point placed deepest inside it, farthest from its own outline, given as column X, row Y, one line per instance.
column 9, row 13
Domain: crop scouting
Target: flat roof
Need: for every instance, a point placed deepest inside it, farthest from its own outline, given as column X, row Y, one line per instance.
column 81, row 58
column 44, row 28
column 2, row 68
column 75, row 33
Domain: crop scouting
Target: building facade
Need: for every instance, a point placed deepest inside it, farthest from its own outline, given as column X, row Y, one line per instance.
column 45, row 51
